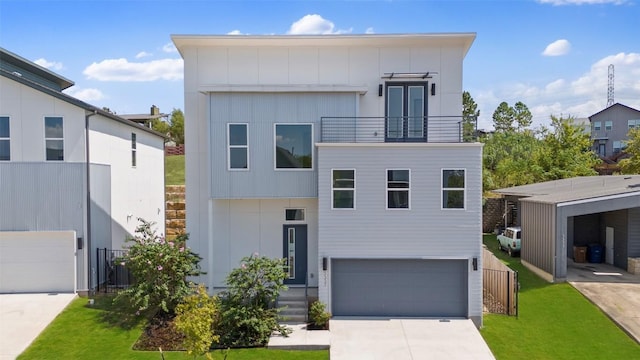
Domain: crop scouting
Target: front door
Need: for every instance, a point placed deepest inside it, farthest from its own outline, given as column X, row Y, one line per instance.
column 295, row 252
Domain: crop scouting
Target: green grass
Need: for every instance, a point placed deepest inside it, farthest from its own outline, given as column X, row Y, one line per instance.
column 174, row 170
column 81, row 332
column 555, row 322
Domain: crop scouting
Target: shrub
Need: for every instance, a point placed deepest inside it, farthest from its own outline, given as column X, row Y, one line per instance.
column 317, row 314
column 247, row 312
column 194, row 318
column 160, row 269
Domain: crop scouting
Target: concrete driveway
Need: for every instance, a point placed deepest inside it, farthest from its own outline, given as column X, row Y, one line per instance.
column 24, row 316
column 410, row 339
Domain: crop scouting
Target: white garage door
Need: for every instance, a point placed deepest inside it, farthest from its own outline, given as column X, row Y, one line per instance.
column 37, row 261
column 399, row 287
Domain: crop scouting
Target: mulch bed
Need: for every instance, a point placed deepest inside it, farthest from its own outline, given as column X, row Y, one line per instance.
column 160, row 333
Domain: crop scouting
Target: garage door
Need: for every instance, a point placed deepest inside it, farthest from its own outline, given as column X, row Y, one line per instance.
column 37, row 261
column 411, row 288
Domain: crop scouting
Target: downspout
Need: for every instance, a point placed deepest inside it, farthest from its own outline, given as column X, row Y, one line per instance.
column 88, row 234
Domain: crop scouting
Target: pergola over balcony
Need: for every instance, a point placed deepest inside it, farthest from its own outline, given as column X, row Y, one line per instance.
column 433, row 129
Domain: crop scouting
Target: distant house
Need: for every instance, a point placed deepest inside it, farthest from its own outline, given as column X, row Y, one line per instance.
column 73, row 178
column 609, row 129
column 344, row 155
column 146, row 119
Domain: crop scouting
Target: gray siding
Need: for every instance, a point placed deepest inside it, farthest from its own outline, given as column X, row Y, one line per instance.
column 619, row 115
column 538, row 245
column 261, row 112
column 633, row 245
column 42, row 196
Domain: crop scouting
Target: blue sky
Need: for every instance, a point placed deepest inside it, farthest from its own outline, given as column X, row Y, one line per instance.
column 550, row 54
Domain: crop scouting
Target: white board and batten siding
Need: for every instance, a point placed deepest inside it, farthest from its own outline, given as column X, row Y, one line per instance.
column 37, row 262
column 425, row 231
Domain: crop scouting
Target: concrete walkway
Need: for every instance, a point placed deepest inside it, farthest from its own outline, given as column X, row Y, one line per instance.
column 24, row 316
column 613, row 290
column 396, row 339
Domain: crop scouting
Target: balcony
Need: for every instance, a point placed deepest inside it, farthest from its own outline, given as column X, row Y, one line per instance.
column 433, row 129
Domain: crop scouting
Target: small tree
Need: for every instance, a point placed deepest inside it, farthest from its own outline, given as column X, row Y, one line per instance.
column 160, row 269
column 631, row 165
column 194, row 318
column 247, row 312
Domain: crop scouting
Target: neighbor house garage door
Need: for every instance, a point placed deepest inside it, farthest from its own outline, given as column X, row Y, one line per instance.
column 37, row 261
column 416, row 288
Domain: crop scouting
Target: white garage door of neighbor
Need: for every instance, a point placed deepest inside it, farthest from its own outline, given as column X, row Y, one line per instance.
column 37, row 261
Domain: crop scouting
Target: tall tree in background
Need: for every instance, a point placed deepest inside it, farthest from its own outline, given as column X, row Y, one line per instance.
column 503, row 118
column 470, row 115
column 160, row 126
column 522, row 116
column 631, row 165
column 176, row 126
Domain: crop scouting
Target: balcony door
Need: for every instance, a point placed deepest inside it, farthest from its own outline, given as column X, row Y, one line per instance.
column 406, row 110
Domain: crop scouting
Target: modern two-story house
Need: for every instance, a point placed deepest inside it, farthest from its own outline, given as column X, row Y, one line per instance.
column 73, row 178
column 344, row 155
column 609, row 128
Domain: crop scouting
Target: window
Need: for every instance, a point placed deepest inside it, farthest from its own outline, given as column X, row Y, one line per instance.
column 453, row 189
column 5, row 139
column 294, row 214
column 54, row 138
column 398, row 186
column 133, row 149
column 597, row 125
column 293, row 146
column 343, row 189
column 608, row 125
column 238, row 154
column 633, row 123
column 406, row 104
column 617, row 146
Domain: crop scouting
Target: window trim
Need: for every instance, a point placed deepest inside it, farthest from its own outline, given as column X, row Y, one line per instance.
column 134, row 150
column 353, row 189
column 387, row 189
column 7, row 139
column 608, row 125
column 313, row 155
column 443, row 189
column 597, row 125
column 229, row 147
column 304, row 217
column 44, row 130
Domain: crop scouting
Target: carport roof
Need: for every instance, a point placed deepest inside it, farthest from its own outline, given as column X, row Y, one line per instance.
column 575, row 189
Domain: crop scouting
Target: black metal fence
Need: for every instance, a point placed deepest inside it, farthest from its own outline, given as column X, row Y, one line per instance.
column 500, row 291
column 111, row 274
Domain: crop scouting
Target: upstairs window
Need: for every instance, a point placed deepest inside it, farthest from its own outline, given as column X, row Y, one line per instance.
column 398, row 188
column 54, row 138
column 453, row 188
column 406, row 109
column 633, row 123
column 5, row 139
column 597, row 125
column 134, row 146
column 343, row 189
column 238, row 152
column 293, row 146
column 608, row 125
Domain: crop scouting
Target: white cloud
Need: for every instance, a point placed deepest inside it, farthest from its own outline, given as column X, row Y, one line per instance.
column 52, row 65
column 85, row 94
column 314, row 24
column 557, row 48
column 143, row 54
column 169, row 48
column 369, row 31
column 582, row 2
column 235, row 32
column 580, row 97
column 123, row 70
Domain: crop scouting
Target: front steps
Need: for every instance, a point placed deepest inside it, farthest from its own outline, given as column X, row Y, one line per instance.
column 294, row 305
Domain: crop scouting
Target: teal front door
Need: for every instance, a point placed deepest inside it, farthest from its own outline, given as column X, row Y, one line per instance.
column 295, row 252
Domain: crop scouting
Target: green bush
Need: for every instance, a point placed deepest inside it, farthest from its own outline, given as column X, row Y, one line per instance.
column 160, row 269
column 194, row 318
column 317, row 314
column 247, row 312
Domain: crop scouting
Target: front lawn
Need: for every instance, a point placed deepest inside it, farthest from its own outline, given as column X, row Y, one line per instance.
column 174, row 170
column 82, row 332
column 555, row 322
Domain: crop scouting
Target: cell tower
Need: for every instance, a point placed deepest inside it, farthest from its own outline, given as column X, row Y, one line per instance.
column 610, row 87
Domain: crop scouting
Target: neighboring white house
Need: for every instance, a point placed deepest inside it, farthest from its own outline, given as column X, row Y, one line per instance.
column 342, row 154
column 73, row 178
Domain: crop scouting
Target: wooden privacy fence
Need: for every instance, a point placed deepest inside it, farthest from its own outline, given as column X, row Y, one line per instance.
column 499, row 286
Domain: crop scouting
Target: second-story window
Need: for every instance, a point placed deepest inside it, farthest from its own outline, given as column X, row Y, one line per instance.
column 238, row 154
column 5, row 139
column 54, row 138
column 134, row 150
column 633, row 123
column 343, row 189
column 398, row 187
column 608, row 125
column 406, row 105
column 293, row 146
column 597, row 125
column 453, row 188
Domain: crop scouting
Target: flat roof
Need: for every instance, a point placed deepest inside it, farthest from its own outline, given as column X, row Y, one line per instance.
column 574, row 189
